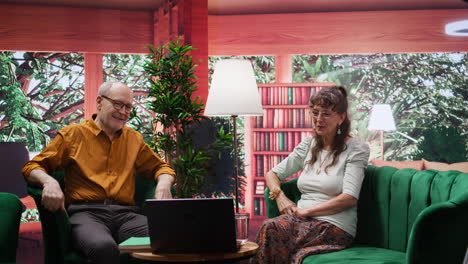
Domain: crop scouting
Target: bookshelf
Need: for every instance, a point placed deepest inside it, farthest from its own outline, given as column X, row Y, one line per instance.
column 271, row 137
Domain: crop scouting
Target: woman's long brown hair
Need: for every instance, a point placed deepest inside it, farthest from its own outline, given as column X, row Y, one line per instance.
column 334, row 98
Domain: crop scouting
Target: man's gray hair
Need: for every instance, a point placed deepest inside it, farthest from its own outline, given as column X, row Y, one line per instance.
column 105, row 87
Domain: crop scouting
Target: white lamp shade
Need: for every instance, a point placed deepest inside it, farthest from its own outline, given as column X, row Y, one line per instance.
column 233, row 90
column 457, row 28
column 381, row 118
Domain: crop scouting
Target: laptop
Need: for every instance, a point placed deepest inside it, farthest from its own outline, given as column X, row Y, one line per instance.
column 191, row 226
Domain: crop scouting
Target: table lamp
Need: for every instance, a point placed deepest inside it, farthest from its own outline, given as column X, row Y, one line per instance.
column 381, row 119
column 233, row 92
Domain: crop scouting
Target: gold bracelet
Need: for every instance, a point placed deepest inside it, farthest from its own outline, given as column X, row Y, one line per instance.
column 275, row 193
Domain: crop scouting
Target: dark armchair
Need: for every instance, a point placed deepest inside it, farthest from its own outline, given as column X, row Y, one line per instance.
column 57, row 230
column 10, row 213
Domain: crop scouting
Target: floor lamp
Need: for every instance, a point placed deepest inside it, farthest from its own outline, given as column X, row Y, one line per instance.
column 381, row 119
column 233, row 92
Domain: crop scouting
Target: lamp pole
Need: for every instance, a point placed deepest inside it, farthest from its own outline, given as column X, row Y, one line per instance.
column 382, row 144
column 236, row 169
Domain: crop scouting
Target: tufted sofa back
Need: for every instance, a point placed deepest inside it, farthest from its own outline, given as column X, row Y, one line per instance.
column 391, row 200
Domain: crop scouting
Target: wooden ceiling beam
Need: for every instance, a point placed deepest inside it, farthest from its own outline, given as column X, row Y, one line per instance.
column 335, row 33
column 67, row 29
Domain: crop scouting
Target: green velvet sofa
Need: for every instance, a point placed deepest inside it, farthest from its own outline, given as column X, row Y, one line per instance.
column 56, row 227
column 404, row 216
column 10, row 215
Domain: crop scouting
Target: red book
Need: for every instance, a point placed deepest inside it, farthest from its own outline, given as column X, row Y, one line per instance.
column 264, row 95
column 285, row 118
column 289, row 118
column 293, row 94
column 278, row 141
column 281, row 97
column 294, row 118
column 284, row 95
column 255, row 140
column 297, row 138
column 260, row 166
column 304, row 95
column 306, row 117
column 278, row 95
column 255, row 164
column 271, row 163
column 298, row 91
column 268, row 119
column 262, row 141
column 303, row 117
column 313, row 90
column 271, row 95
column 300, row 119
column 290, row 141
column 281, row 118
column 259, row 141
column 274, row 141
column 286, row 141
column 275, row 118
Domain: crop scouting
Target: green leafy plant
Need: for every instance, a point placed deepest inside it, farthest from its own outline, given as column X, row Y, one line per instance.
column 39, row 93
column 424, row 90
column 442, row 144
column 172, row 85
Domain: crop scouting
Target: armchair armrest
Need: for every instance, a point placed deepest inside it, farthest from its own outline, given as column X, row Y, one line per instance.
column 440, row 233
column 290, row 190
column 56, row 230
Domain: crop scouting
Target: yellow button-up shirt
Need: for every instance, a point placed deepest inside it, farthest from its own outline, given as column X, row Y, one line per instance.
column 97, row 168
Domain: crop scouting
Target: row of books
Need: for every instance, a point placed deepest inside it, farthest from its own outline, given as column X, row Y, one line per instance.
column 264, row 163
column 284, row 118
column 278, row 141
column 286, row 95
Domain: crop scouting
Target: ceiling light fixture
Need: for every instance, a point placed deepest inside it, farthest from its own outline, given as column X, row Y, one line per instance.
column 458, row 28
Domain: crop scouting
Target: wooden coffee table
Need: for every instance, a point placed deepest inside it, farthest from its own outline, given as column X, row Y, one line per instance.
column 245, row 251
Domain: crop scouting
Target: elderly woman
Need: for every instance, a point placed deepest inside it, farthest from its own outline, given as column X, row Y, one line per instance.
column 332, row 164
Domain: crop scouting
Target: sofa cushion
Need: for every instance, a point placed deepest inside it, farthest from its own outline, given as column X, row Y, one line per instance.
column 359, row 255
column 416, row 164
column 440, row 166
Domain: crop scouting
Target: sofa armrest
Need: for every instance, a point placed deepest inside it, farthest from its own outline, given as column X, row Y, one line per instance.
column 290, row 190
column 10, row 213
column 440, row 233
column 56, row 230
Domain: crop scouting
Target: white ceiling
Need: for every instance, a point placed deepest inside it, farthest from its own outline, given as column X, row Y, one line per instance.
column 227, row 7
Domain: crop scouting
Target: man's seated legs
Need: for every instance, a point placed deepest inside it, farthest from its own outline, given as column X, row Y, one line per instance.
column 131, row 224
column 95, row 229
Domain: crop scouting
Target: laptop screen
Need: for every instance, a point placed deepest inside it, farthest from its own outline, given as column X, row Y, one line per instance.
column 191, row 225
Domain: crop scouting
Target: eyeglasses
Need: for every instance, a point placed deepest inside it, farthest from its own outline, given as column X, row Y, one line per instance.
column 324, row 114
column 118, row 105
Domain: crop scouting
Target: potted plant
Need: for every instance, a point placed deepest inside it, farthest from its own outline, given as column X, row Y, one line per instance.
column 172, row 83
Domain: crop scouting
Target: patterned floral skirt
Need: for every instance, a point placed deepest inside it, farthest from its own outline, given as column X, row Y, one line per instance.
column 289, row 239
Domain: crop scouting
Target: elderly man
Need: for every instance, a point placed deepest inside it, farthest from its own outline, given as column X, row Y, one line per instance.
column 100, row 157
